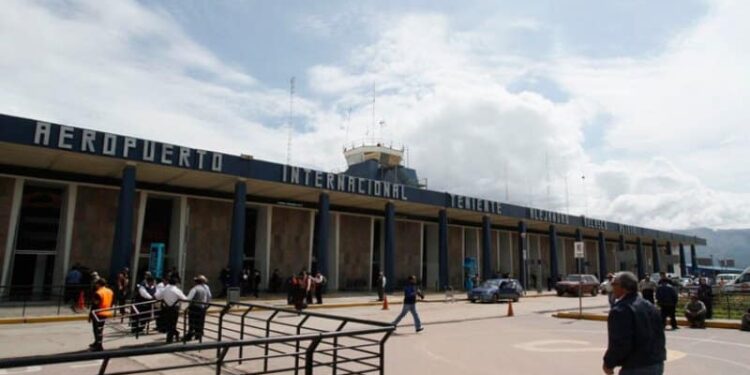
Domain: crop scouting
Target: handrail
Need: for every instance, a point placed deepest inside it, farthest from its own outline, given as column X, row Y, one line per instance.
column 131, row 352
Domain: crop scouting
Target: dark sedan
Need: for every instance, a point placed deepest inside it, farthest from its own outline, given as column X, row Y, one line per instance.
column 494, row 290
column 572, row 284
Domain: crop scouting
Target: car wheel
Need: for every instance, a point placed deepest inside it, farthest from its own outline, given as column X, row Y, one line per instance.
column 496, row 299
column 594, row 292
column 473, row 300
column 560, row 293
column 516, row 299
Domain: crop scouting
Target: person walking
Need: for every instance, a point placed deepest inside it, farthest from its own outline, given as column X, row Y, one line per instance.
column 123, row 288
column 635, row 330
column 275, row 282
column 145, row 292
column 171, row 296
column 102, row 301
column 380, row 285
column 255, row 285
column 299, row 291
column 72, row 285
column 706, row 295
column 411, row 292
column 199, row 297
column 319, row 281
column 667, row 297
column 648, row 288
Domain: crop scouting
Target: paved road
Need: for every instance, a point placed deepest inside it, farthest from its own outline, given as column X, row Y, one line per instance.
column 460, row 338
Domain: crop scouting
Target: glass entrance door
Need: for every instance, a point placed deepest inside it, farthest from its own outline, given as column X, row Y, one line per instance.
column 36, row 243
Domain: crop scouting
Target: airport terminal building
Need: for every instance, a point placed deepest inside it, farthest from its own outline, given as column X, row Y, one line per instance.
column 71, row 195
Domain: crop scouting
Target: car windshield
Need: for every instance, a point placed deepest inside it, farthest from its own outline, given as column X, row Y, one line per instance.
column 575, row 278
column 491, row 283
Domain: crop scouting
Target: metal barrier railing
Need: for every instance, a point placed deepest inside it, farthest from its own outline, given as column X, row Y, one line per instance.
column 222, row 359
column 286, row 340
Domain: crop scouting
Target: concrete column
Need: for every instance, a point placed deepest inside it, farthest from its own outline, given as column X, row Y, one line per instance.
column 323, row 231
column 655, row 255
column 693, row 260
column 389, row 222
column 486, row 248
column 443, row 249
column 602, row 256
column 522, row 254
column 123, row 240
column 237, row 238
column 683, row 265
column 553, row 263
column 10, row 240
column 639, row 258
column 668, row 252
column 579, row 261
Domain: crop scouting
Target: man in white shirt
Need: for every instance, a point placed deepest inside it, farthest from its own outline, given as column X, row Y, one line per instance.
column 171, row 296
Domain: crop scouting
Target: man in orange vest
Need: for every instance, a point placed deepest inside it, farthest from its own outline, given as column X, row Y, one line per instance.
column 102, row 299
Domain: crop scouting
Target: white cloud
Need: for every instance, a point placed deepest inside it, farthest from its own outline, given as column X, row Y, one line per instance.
column 674, row 150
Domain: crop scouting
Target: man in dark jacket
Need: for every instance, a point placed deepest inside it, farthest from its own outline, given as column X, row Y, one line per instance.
column 666, row 297
column 706, row 295
column 636, row 332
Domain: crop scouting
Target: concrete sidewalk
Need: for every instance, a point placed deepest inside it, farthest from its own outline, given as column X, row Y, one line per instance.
column 48, row 314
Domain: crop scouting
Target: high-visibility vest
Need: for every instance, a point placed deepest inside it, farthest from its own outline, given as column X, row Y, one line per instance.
column 106, row 296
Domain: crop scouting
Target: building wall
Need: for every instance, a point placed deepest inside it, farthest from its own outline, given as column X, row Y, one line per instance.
column 210, row 225
column 290, row 240
column 94, row 228
column 6, row 200
column 506, row 264
column 455, row 257
column 408, row 252
column 354, row 252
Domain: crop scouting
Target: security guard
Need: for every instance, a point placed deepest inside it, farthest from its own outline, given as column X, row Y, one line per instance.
column 100, row 311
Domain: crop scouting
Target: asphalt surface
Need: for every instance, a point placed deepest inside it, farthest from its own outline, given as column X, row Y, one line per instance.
column 459, row 338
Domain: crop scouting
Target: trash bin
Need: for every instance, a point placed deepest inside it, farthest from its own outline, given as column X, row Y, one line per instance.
column 233, row 294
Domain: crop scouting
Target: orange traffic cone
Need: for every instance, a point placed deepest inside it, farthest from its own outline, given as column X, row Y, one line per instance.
column 80, row 304
column 510, row 307
column 385, row 302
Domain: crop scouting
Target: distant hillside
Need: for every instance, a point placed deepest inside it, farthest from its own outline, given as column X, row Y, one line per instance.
column 724, row 243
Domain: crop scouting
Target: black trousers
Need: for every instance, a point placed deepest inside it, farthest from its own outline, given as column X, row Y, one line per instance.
column 648, row 295
column 709, row 302
column 170, row 314
column 381, row 293
column 319, row 295
column 98, row 329
column 139, row 321
column 196, row 321
column 668, row 311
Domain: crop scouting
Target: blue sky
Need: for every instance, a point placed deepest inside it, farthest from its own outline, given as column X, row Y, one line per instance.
column 646, row 99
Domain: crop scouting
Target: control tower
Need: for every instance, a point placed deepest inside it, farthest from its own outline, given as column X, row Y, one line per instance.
column 377, row 161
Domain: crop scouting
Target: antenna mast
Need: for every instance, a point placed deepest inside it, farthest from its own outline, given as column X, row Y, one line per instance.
column 372, row 124
column 549, row 183
column 290, row 127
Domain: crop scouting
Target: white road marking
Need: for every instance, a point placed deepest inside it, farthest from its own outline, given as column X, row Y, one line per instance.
column 558, row 346
column 563, row 346
column 23, row 370
column 89, row 364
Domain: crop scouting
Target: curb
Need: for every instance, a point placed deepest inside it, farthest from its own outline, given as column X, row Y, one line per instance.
column 680, row 321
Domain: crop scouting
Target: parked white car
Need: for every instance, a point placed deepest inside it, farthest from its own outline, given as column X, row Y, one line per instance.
column 739, row 285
